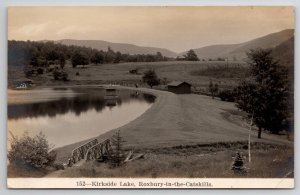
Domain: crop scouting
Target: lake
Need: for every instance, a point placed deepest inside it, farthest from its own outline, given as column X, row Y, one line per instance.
column 69, row 115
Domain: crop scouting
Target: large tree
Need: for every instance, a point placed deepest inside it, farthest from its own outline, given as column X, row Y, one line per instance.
column 79, row 58
column 265, row 95
column 150, row 78
column 97, row 57
column 191, row 56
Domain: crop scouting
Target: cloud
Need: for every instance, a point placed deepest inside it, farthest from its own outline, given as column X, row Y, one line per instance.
column 74, row 29
column 32, row 29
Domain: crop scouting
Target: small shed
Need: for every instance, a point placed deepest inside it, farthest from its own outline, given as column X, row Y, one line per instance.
column 179, row 87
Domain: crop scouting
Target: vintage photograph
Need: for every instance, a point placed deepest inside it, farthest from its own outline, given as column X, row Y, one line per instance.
column 150, row 96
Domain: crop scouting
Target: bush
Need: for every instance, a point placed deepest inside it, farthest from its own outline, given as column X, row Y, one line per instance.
column 60, row 75
column 150, row 78
column 32, row 151
column 227, row 95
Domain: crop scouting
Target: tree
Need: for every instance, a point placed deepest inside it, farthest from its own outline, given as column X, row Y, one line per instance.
column 118, row 57
column 191, row 56
column 97, row 57
column 150, row 78
column 265, row 96
column 238, row 164
column 117, row 149
column 79, row 58
column 31, row 151
column 159, row 57
column 110, row 55
column 213, row 89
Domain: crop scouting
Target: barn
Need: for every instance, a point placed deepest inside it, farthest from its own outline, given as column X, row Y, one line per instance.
column 179, row 87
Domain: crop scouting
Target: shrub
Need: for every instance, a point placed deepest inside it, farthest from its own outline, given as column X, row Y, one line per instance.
column 227, row 95
column 150, row 78
column 238, row 164
column 32, row 151
column 60, row 75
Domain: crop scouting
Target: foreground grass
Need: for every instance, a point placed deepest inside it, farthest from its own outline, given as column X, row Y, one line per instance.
column 197, row 161
column 14, row 171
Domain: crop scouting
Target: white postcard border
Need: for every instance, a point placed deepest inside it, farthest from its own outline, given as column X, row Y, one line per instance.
column 148, row 183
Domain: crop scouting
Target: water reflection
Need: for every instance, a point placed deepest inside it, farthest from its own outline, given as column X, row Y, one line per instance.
column 66, row 120
column 79, row 104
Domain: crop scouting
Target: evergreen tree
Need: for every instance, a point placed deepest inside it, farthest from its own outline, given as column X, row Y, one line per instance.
column 238, row 164
column 117, row 149
column 265, row 96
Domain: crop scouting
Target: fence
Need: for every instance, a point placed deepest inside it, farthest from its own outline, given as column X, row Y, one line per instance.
column 101, row 150
column 80, row 152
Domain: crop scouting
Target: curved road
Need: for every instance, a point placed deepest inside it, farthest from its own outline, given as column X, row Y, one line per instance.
column 180, row 120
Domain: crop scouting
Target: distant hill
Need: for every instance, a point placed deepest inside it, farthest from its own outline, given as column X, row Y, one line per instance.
column 282, row 42
column 121, row 47
column 285, row 52
column 238, row 51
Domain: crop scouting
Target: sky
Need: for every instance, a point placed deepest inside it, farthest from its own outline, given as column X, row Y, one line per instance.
column 174, row 28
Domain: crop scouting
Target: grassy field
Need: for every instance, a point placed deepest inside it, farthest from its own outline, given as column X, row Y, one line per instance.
column 232, row 71
column 195, row 161
column 119, row 73
column 186, row 161
column 176, row 70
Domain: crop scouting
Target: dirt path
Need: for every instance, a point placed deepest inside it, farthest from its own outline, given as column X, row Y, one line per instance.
column 179, row 120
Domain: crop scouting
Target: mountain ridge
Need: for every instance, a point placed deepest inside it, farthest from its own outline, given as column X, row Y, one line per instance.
column 230, row 51
column 121, row 47
column 238, row 51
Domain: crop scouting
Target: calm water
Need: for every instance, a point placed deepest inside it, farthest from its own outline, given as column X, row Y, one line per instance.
column 68, row 115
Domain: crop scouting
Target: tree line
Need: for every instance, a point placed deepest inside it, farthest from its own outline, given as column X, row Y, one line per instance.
column 45, row 53
column 42, row 54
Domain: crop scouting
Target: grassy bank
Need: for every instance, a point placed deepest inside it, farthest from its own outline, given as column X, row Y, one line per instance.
column 196, row 161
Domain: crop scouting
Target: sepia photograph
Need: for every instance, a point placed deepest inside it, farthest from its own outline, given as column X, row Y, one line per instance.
column 150, row 97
